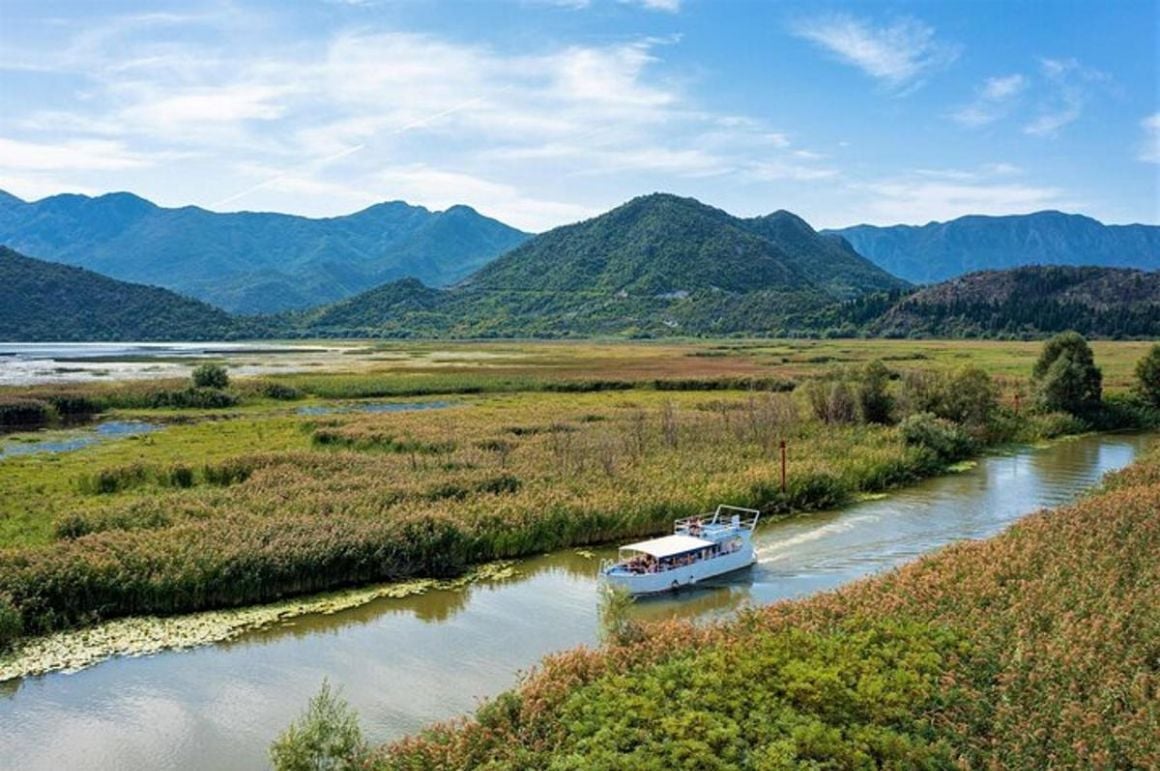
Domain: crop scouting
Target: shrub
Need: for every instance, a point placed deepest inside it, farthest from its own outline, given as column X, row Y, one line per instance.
column 326, row 736
column 1148, row 377
column 616, row 623
column 24, row 412
column 280, row 391
column 114, row 480
column 1066, row 376
column 946, row 440
column 11, row 623
column 210, row 376
column 874, row 397
column 193, row 398
column 832, row 402
column 968, row 397
column 179, row 476
column 73, row 405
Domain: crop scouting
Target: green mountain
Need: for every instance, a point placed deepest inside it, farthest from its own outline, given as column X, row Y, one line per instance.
column 1030, row 302
column 46, row 301
column 941, row 250
column 251, row 262
column 657, row 265
column 828, row 261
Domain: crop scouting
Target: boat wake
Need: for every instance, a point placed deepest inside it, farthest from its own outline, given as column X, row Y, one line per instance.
column 776, row 550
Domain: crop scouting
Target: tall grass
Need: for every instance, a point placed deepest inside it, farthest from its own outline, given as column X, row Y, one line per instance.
column 386, row 496
column 1034, row 649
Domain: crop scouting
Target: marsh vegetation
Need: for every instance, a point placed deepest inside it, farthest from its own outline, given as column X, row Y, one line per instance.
column 253, row 502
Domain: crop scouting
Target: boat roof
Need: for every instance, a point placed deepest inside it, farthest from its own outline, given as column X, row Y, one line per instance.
column 669, row 545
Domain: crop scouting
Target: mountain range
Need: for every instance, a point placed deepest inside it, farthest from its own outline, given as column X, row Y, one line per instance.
column 249, row 262
column 941, row 250
column 659, row 264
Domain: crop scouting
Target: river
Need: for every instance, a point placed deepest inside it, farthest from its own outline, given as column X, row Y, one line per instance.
column 404, row 663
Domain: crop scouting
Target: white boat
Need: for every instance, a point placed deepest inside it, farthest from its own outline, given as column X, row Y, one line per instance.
column 699, row 548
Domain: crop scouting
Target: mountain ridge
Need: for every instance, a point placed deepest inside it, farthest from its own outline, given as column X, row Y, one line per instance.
column 48, row 301
column 254, row 262
column 654, row 265
column 938, row 251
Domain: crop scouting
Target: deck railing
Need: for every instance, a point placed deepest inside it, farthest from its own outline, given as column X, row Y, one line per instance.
column 723, row 517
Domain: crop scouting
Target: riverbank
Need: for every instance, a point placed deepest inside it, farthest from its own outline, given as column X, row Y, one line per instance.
column 74, row 650
column 267, row 503
column 1032, row 649
column 406, row 663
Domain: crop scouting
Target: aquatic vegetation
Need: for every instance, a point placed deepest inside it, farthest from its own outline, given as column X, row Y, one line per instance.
column 71, row 651
column 1033, row 649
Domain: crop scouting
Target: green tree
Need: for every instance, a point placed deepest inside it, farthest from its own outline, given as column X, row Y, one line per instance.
column 1066, row 377
column 874, row 395
column 970, row 398
column 210, row 376
column 1148, row 377
column 326, row 737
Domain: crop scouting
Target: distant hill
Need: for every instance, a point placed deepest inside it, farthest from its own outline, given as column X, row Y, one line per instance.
column 657, row 265
column 250, row 262
column 942, row 250
column 1030, row 302
column 47, row 301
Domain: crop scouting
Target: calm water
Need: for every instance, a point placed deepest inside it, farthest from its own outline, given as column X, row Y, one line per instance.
column 404, row 663
column 34, row 363
column 57, row 441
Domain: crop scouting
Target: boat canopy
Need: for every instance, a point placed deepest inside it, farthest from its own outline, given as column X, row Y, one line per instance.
column 669, row 546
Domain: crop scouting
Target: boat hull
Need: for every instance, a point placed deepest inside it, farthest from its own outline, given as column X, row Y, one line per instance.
column 687, row 575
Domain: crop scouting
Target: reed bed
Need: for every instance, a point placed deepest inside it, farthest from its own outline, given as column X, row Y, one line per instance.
column 357, row 498
column 1034, row 649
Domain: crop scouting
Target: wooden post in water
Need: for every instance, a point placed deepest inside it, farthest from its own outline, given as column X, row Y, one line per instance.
column 782, row 465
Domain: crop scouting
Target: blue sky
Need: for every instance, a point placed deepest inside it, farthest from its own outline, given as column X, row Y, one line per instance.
column 542, row 112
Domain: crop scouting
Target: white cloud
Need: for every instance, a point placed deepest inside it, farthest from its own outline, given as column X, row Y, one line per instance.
column 1070, row 87
column 670, row 6
column 898, row 54
column 918, row 198
column 1150, row 149
column 85, row 154
column 997, row 89
column 992, row 101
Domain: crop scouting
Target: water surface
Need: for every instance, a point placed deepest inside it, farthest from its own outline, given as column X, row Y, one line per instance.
column 404, row 663
column 63, row 440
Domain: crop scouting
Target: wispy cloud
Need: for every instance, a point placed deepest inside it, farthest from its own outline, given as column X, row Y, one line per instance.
column 317, row 128
column 993, row 99
column 1070, row 87
column 670, row 6
column 899, row 54
column 926, row 195
column 86, row 154
column 1150, row 149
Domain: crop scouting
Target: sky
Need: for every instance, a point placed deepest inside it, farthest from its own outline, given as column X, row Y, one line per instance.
column 545, row 112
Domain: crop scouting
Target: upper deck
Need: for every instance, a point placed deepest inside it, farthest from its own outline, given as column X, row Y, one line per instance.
column 724, row 522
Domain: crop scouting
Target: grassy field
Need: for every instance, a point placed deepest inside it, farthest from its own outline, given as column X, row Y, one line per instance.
column 1035, row 649
column 530, row 447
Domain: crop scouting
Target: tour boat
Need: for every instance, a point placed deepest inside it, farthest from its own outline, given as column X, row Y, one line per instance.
column 699, row 548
